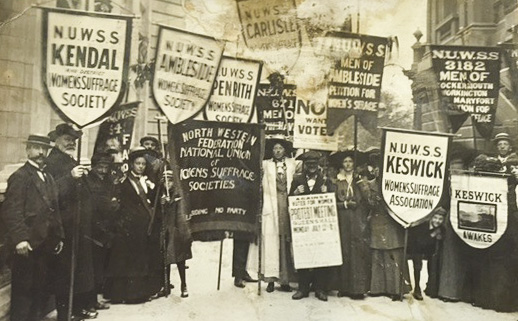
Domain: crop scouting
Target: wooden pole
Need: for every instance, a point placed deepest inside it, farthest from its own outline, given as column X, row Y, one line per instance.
column 355, row 140
column 402, row 268
column 260, row 244
column 220, row 257
column 474, row 135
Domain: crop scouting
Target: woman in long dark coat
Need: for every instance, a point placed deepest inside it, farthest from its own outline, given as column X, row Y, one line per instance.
column 354, row 274
column 135, row 265
column 178, row 237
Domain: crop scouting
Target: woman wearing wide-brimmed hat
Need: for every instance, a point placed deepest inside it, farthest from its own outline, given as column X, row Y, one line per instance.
column 354, row 273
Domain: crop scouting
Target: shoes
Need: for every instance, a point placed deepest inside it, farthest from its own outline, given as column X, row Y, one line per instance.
column 321, row 295
column 184, row 293
column 238, row 282
column 357, row 296
column 396, row 297
column 285, row 288
column 159, row 294
column 417, row 295
column 299, row 295
column 248, row 278
column 86, row 314
column 102, row 306
column 341, row 294
column 76, row 318
column 270, row 288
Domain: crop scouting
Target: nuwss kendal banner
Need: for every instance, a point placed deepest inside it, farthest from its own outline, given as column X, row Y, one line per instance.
column 85, row 62
column 478, row 208
column 413, row 173
column 186, row 65
column 314, row 230
column 218, row 165
column 469, row 84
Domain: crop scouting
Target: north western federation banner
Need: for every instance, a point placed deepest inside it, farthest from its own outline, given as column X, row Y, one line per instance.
column 314, row 231
column 218, row 165
column 478, row 208
column 234, row 91
column 354, row 81
column 469, row 84
column 186, row 65
column 276, row 108
column 414, row 171
column 85, row 62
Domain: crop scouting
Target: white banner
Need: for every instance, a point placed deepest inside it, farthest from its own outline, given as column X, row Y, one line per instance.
column 478, row 208
column 310, row 130
column 314, row 231
column 85, row 62
column 186, row 65
column 234, row 91
column 414, row 170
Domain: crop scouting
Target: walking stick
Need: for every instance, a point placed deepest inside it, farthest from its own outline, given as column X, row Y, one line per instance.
column 402, row 272
column 219, row 267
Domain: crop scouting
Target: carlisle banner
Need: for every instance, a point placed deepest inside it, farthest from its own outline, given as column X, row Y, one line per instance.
column 85, row 62
column 314, row 231
column 269, row 24
column 478, row 208
column 469, row 84
column 414, row 171
column 219, row 172
column 354, row 81
column 234, row 91
column 186, row 65
column 276, row 108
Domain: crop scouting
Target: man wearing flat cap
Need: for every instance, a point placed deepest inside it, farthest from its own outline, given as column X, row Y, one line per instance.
column 34, row 231
column 311, row 181
column 504, row 147
column 105, row 203
column 153, row 158
column 75, row 206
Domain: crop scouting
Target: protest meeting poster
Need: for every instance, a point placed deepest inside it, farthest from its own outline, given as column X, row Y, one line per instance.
column 469, row 84
column 414, row 173
column 85, row 62
column 314, row 230
column 218, row 166
column 234, row 91
column 479, row 208
column 186, row 65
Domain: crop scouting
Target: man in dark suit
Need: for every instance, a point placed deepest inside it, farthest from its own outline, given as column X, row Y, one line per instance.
column 311, row 181
column 34, row 231
column 75, row 203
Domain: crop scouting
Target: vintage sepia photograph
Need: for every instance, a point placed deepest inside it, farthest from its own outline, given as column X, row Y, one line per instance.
column 258, row 160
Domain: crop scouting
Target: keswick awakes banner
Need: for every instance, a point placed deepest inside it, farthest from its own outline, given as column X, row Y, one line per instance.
column 116, row 132
column 269, row 24
column 469, row 83
column 314, row 231
column 478, row 208
column 354, row 82
column 219, row 171
column 276, row 109
column 85, row 62
column 186, row 65
column 414, row 172
column 234, row 91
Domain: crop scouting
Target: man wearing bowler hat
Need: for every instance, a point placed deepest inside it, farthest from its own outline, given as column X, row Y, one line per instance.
column 76, row 213
column 311, row 181
column 34, row 231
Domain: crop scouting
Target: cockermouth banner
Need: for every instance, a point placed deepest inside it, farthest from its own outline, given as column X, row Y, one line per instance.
column 218, row 166
column 414, row 173
column 85, row 62
column 469, row 84
column 186, row 65
column 478, row 208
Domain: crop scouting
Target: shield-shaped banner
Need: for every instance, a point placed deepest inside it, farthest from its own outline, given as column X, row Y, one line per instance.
column 186, row 65
column 478, row 208
column 413, row 176
column 234, row 91
column 85, row 62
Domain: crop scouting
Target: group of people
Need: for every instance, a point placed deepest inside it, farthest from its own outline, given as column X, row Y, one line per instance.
column 119, row 235
column 87, row 236
column 372, row 242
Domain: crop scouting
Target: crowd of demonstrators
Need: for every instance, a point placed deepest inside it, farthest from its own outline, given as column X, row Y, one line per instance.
column 120, row 235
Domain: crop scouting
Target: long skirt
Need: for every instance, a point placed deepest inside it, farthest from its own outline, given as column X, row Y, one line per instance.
column 134, row 289
column 388, row 267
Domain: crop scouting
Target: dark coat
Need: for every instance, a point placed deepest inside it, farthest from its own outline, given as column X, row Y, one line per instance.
column 30, row 210
column 177, row 232
column 134, row 253
column 73, row 193
column 301, row 179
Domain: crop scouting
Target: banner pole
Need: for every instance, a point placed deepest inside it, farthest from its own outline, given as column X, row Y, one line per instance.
column 219, row 267
column 474, row 136
column 402, row 271
column 355, row 140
